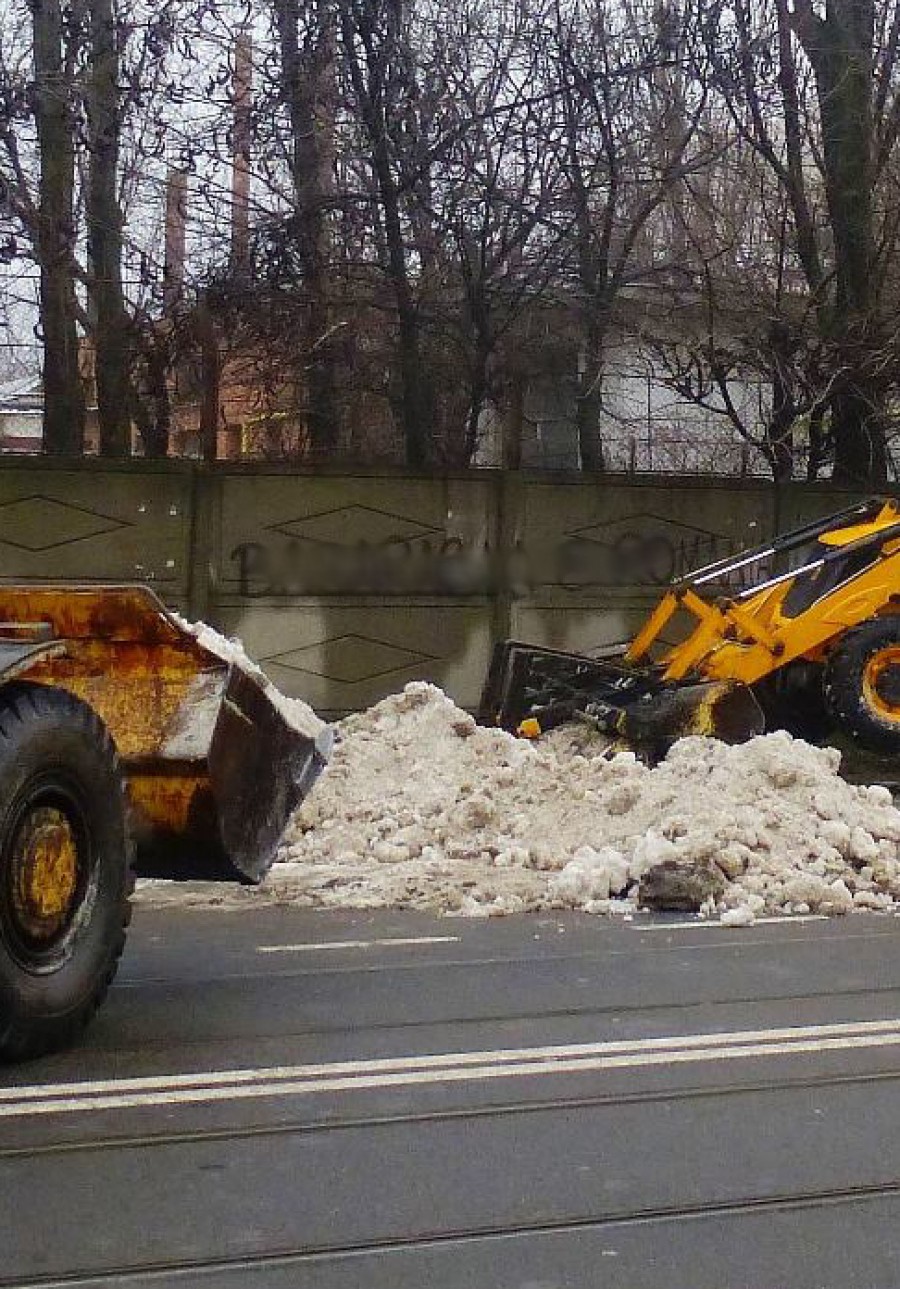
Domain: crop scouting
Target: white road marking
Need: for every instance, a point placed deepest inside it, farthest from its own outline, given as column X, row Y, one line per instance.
column 489, row 1056
column 713, row 924
column 248, row 1092
column 358, row 944
column 449, row 1067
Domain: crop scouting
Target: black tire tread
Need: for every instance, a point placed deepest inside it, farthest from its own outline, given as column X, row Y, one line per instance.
column 18, row 703
column 843, row 684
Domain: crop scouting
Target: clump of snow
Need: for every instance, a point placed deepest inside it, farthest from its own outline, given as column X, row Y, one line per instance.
column 298, row 714
column 743, row 915
column 591, row 875
column 421, row 808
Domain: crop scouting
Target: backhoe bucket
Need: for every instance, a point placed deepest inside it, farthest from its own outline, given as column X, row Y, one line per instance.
column 215, row 758
column 530, row 690
column 716, row 709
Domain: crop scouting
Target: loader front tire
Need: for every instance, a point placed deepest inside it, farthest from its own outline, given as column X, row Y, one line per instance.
column 65, row 873
column 862, row 684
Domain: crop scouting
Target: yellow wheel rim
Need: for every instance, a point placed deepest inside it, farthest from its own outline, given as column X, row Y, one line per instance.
column 45, row 872
column 881, row 689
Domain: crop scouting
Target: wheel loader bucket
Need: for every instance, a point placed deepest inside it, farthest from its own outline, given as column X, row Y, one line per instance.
column 215, row 758
column 260, row 769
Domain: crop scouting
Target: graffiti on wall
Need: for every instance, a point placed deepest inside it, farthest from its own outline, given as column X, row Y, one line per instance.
column 371, row 552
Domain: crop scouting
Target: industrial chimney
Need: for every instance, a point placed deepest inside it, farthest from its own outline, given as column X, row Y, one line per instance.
column 176, row 222
column 242, row 96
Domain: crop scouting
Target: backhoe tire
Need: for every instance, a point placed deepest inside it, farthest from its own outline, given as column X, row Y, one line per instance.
column 65, row 870
column 862, row 684
column 793, row 699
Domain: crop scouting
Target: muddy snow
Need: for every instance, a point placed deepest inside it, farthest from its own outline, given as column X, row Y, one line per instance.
column 421, row 808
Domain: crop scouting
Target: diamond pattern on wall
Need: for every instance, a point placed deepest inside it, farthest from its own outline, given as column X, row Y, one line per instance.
column 349, row 659
column 40, row 523
column 352, row 525
column 609, row 529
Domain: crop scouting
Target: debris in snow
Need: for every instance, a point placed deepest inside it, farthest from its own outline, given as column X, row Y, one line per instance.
column 421, row 808
column 686, row 885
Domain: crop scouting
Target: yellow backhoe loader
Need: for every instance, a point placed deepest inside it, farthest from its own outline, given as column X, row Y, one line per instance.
column 812, row 643
column 119, row 728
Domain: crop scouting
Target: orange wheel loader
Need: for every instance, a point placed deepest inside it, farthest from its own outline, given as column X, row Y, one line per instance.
column 120, row 729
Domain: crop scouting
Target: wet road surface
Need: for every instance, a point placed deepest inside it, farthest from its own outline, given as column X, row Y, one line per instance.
column 278, row 1097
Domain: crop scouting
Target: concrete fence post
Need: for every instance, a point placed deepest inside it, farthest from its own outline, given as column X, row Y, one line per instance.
column 508, row 502
column 204, row 536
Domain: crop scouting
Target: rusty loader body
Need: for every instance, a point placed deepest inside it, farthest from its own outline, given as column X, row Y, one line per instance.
column 120, row 729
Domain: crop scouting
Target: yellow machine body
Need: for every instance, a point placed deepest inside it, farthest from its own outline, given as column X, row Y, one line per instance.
column 804, row 600
column 745, row 638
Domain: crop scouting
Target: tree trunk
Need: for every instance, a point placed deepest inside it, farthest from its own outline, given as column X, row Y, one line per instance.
column 590, row 394
column 858, row 432
column 781, row 449
column 481, row 383
column 307, row 81
column 63, row 390
column 779, row 431
column 415, row 417
column 514, row 423
column 818, row 445
column 839, row 47
column 416, row 422
column 210, row 381
column 590, row 441
column 153, row 412
column 478, row 397
column 592, row 251
column 104, row 221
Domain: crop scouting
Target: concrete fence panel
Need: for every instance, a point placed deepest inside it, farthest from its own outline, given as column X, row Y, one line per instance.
column 616, row 546
column 343, row 585
column 346, row 586
column 89, row 523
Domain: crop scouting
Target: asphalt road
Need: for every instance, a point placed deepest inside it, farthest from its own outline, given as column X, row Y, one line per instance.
column 277, row 1098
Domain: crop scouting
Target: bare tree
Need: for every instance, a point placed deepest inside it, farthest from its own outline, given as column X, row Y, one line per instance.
column 82, row 82
column 55, row 229
column 380, row 70
column 482, row 175
column 806, row 91
column 109, row 316
column 632, row 95
column 308, row 72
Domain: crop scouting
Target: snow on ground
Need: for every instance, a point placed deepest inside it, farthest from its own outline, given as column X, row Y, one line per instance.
column 421, row 808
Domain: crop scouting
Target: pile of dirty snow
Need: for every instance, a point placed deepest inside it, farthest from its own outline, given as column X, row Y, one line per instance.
column 422, row 808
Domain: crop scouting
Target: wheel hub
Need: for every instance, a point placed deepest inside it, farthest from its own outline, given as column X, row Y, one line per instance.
column 887, row 686
column 881, row 682
column 45, row 872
